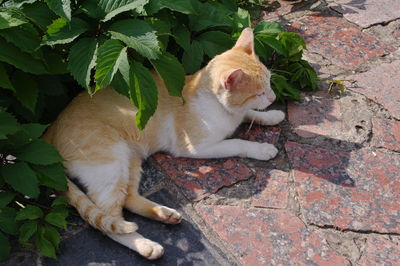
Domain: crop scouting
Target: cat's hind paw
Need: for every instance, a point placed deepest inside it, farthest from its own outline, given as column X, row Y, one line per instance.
column 149, row 249
column 167, row 215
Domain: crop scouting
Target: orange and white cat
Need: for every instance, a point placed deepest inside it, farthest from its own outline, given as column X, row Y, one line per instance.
column 103, row 149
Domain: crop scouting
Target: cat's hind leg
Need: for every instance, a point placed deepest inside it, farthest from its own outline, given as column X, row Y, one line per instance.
column 138, row 204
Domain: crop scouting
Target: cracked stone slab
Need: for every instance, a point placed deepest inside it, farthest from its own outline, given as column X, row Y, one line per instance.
column 183, row 244
column 198, row 178
column 268, row 237
column 381, row 84
column 380, row 251
column 280, row 8
column 344, row 45
column 271, row 189
column 367, row 12
column 386, row 134
column 357, row 190
column 321, row 114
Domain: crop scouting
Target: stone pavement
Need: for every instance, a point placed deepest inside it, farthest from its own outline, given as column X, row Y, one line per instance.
column 330, row 197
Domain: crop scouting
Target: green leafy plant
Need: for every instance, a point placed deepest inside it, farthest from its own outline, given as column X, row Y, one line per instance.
column 51, row 50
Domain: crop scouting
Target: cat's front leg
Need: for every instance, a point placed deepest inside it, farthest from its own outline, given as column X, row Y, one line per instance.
column 268, row 118
column 235, row 147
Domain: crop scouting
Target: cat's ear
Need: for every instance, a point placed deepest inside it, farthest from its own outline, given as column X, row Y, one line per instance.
column 246, row 41
column 232, row 78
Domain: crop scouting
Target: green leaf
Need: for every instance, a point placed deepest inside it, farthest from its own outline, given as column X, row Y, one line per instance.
column 30, row 212
column 182, row 6
column 4, row 80
column 61, row 7
column 263, row 51
column 182, row 36
column 27, row 230
column 40, row 14
column 114, row 7
column 215, row 42
column 172, row 73
column 25, row 37
column 27, row 134
column 39, row 152
column 210, row 16
column 82, row 59
column 5, row 247
column 26, row 88
column 8, row 124
column 22, row 178
column 43, row 244
column 146, row 93
column 21, row 60
column 60, row 31
column 34, row 131
column 120, row 85
column 267, row 27
column 5, row 198
column 193, row 57
column 109, row 56
column 10, row 18
column 57, row 218
column 7, row 221
column 60, row 201
column 272, row 42
column 242, row 19
column 55, row 63
column 283, row 89
column 52, row 235
column 138, row 35
column 52, row 176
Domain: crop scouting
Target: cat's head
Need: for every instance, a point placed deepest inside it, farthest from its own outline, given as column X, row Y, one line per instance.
column 241, row 80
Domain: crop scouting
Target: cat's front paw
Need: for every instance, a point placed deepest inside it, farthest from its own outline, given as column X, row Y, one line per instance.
column 149, row 249
column 273, row 117
column 264, row 152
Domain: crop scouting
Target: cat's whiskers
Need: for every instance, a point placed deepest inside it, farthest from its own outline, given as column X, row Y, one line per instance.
column 251, row 125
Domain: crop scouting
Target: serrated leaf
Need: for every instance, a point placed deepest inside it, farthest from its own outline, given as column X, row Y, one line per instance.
column 18, row 3
column 52, row 176
column 114, row 7
column 108, row 59
column 60, row 31
column 39, row 13
column 61, row 7
column 21, row 60
column 171, row 72
column 10, row 18
column 138, row 35
column 5, row 198
column 146, row 93
column 120, row 85
column 4, row 80
column 215, row 42
column 26, row 88
column 182, row 6
column 193, row 57
column 272, row 42
column 210, row 16
column 27, row 230
column 57, row 218
column 34, row 131
column 30, row 212
column 82, row 59
column 22, row 178
column 267, row 27
column 39, row 152
column 8, row 124
column 52, row 235
column 242, row 19
column 25, row 37
column 59, row 201
column 44, row 246
column 182, row 36
column 7, row 221
column 5, row 247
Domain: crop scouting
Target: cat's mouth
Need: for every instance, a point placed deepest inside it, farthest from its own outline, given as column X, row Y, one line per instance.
column 261, row 94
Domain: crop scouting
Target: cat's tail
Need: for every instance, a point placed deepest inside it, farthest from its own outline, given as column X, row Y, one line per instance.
column 95, row 216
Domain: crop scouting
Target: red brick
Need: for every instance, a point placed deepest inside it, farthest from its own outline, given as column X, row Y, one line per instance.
column 386, row 133
column 268, row 237
column 344, row 45
column 368, row 12
column 319, row 116
column 380, row 251
column 271, row 189
column 357, row 190
column 199, row 178
column 381, row 84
